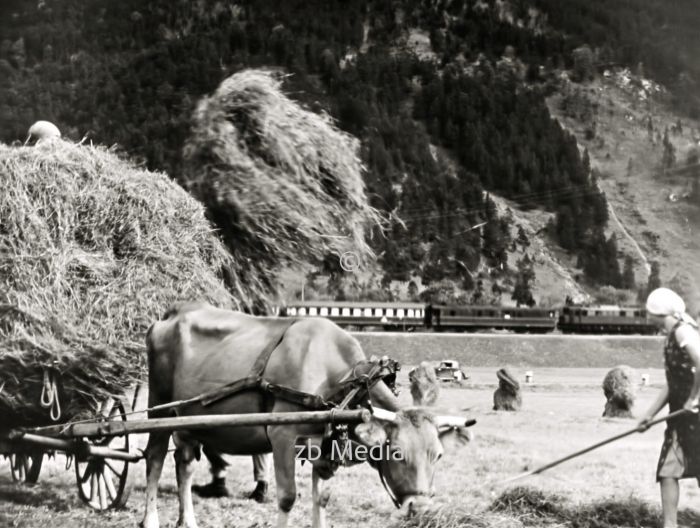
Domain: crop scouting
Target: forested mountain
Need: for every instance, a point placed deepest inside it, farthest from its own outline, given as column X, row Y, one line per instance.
column 440, row 130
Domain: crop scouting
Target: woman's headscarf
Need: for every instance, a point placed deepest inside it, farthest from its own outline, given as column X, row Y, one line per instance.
column 663, row 301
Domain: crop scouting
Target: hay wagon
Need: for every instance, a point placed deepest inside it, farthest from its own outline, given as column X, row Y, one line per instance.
column 101, row 451
column 100, row 459
column 102, row 454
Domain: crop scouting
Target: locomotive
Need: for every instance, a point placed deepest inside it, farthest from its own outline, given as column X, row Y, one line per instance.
column 604, row 319
column 409, row 317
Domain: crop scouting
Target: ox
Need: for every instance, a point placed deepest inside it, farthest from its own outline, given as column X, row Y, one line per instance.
column 196, row 348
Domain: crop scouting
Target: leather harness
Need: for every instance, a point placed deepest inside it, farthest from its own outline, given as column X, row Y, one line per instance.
column 354, row 386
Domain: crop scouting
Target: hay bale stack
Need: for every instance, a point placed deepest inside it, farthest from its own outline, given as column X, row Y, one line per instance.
column 92, row 251
column 507, row 396
column 425, row 387
column 282, row 184
column 620, row 391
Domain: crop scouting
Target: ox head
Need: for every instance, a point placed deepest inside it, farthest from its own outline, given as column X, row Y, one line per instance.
column 413, row 441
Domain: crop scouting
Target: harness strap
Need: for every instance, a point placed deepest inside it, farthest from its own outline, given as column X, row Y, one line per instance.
column 261, row 362
column 254, row 379
column 387, row 488
column 361, row 378
column 213, row 396
column 391, row 493
column 312, row 401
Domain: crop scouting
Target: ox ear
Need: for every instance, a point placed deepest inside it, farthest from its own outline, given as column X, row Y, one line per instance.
column 371, row 433
column 454, row 437
column 453, row 431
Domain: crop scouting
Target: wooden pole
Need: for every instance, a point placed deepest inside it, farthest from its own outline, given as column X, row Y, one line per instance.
column 205, row 421
column 71, row 447
column 591, row 448
column 106, row 452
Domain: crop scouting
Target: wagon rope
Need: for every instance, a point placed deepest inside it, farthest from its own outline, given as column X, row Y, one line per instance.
column 49, row 395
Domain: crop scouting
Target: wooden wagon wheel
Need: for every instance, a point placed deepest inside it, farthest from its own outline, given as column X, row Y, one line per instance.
column 26, row 466
column 105, row 483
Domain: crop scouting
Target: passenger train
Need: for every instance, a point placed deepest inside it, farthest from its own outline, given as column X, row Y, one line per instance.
column 570, row 319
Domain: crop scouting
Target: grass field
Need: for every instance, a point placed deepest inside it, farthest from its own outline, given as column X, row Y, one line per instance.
column 613, row 486
column 518, row 350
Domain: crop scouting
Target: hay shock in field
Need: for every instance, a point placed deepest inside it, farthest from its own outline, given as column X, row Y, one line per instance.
column 425, row 387
column 507, row 396
column 92, row 251
column 620, row 391
column 283, row 184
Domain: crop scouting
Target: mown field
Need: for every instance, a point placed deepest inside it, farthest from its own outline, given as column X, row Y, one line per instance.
column 518, row 350
column 613, row 486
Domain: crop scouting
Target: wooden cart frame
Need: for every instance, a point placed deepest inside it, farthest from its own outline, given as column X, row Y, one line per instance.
column 103, row 454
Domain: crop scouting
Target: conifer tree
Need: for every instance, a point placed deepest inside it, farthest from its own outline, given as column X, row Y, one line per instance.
column 612, row 265
column 412, row 291
column 668, row 158
column 628, row 281
column 478, row 294
column 522, row 238
column 653, row 282
column 522, row 292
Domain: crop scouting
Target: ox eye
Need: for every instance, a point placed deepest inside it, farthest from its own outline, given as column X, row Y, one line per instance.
column 438, row 457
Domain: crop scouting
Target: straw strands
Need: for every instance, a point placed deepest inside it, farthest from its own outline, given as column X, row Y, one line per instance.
column 425, row 387
column 523, row 507
column 282, row 184
column 92, row 251
column 620, row 391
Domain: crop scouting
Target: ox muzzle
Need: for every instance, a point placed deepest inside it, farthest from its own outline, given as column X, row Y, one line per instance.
column 417, row 504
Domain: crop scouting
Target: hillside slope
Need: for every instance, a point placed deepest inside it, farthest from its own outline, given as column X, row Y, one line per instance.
column 406, row 77
column 655, row 206
column 555, row 274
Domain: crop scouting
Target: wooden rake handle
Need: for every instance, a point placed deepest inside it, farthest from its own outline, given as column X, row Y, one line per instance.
column 637, row 429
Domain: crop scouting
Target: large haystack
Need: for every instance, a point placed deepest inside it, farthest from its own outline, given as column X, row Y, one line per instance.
column 620, row 391
column 283, row 184
column 92, row 251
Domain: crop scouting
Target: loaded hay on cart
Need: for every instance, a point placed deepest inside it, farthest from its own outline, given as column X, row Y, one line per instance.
column 92, row 251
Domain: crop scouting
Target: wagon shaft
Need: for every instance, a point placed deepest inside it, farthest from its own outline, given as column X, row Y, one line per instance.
column 74, row 447
column 114, row 428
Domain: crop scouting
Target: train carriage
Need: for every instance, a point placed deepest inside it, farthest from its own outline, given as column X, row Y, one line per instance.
column 388, row 316
column 604, row 319
column 475, row 318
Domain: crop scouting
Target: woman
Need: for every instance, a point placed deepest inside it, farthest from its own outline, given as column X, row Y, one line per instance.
column 680, row 453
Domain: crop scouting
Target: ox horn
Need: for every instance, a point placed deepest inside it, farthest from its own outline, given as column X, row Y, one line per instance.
column 453, row 421
column 383, row 414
